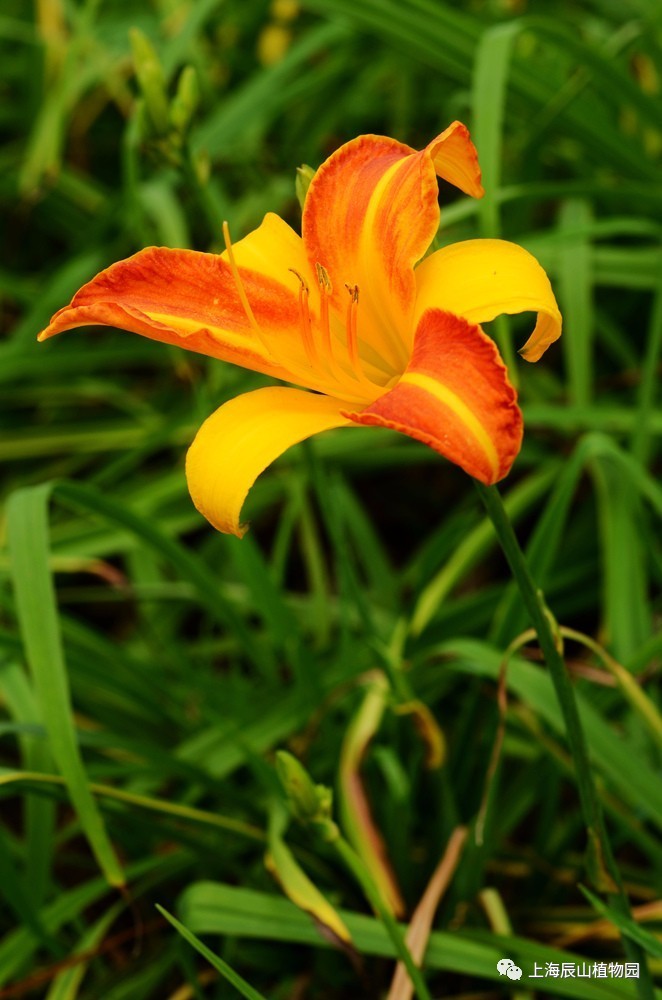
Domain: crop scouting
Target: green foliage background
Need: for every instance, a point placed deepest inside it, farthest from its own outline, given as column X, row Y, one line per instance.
column 189, row 657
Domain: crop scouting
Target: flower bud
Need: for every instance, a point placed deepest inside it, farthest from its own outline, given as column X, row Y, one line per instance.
column 185, row 101
column 151, row 79
column 304, row 176
column 303, row 795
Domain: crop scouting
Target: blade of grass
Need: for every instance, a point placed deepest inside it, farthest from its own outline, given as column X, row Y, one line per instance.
column 488, row 102
column 166, row 808
column 638, row 787
column 17, row 948
column 575, row 292
column 191, row 568
column 629, row 927
column 67, row 984
column 642, row 432
column 626, row 611
column 423, row 916
column 213, row 908
column 229, row 974
column 39, row 812
column 27, row 529
column 18, row 899
column 603, row 868
column 475, row 545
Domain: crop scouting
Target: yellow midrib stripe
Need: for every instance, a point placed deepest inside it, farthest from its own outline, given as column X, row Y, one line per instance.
column 377, row 293
column 450, row 399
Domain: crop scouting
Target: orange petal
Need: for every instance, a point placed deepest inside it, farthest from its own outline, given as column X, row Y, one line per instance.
column 455, row 397
column 191, row 300
column 456, row 160
column 370, row 214
column 245, row 435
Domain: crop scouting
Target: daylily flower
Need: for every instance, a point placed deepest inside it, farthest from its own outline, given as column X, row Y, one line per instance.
column 343, row 312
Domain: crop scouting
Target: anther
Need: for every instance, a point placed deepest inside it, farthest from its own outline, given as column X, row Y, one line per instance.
column 323, row 278
column 241, row 290
column 304, row 319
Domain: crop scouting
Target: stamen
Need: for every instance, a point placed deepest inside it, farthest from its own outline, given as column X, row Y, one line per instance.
column 326, row 289
column 352, row 339
column 241, row 291
column 304, row 319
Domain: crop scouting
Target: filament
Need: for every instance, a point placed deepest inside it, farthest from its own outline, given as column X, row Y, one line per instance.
column 352, row 337
column 241, row 290
column 304, row 320
column 326, row 289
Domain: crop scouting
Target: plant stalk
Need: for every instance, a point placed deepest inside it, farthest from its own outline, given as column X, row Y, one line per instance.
column 602, row 865
column 393, row 929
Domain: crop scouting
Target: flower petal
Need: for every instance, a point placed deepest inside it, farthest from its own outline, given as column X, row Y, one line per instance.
column 456, row 160
column 274, row 250
column 455, row 397
column 481, row 279
column 191, row 300
column 237, row 442
column 370, row 214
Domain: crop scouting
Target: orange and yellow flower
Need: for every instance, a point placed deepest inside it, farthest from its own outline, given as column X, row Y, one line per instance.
column 350, row 312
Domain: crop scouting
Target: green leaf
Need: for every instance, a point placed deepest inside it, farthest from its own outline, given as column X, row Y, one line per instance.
column 575, row 294
column 488, row 104
column 295, row 883
column 27, row 529
column 630, row 928
column 232, row 977
column 213, row 908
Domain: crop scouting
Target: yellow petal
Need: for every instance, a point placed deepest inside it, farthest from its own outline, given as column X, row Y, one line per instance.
column 274, row 250
column 481, row 279
column 245, row 435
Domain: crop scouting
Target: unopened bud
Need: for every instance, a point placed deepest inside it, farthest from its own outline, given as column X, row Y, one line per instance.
column 185, row 101
column 304, row 176
column 303, row 795
column 202, row 166
column 151, row 79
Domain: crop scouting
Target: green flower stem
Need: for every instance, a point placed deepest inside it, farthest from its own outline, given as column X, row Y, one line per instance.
column 142, row 801
column 602, row 865
column 393, row 929
column 211, row 205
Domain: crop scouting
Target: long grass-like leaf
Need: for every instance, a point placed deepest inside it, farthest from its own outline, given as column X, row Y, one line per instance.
column 27, row 520
column 228, row 973
column 211, row 908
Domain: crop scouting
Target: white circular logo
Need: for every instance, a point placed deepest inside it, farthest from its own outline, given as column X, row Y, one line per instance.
column 506, row 967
